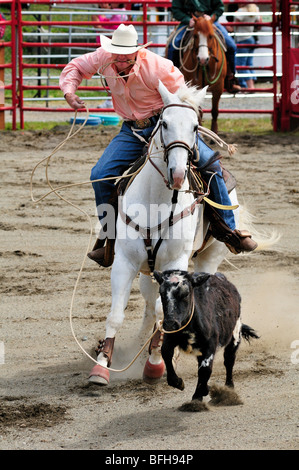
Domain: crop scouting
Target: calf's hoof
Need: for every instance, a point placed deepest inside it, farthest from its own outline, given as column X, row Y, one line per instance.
column 152, row 373
column 99, row 375
column 178, row 383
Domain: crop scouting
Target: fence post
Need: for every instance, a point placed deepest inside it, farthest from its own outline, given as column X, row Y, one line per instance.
column 2, row 92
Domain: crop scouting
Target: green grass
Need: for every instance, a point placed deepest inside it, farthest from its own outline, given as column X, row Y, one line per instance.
column 258, row 126
column 255, row 126
column 37, row 126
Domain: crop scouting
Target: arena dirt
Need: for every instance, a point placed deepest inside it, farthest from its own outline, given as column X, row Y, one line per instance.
column 46, row 401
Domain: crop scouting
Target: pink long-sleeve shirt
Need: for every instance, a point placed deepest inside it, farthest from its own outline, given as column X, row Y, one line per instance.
column 136, row 98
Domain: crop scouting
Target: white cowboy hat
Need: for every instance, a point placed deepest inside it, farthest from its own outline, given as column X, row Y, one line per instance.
column 124, row 41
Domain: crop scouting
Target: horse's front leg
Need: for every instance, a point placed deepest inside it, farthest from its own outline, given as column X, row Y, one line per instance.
column 216, row 95
column 149, row 290
column 154, row 367
column 122, row 275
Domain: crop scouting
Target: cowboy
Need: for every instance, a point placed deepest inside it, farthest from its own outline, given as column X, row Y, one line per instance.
column 182, row 11
column 132, row 73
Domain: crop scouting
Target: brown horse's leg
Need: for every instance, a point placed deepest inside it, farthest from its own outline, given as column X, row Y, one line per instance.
column 215, row 106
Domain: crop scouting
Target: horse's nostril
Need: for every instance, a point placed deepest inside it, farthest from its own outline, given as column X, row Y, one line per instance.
column 170, row 176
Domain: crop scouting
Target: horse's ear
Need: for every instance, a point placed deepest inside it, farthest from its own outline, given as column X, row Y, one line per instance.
column 213, row 18
column 166, row 96
column 201, row 96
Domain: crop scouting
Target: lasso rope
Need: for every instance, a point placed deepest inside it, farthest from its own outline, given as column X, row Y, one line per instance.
column 55, row 191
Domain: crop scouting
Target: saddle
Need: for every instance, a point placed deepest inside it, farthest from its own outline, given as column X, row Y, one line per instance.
column 197, row 181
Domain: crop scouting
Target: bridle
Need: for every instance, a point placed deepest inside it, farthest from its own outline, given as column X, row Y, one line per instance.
column 193, row 154
column 147, row 232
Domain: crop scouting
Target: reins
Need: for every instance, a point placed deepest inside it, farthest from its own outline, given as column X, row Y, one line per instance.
column 189, row 46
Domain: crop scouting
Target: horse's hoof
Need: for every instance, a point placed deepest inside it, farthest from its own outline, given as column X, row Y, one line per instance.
column 99, row 375
column 153, row 372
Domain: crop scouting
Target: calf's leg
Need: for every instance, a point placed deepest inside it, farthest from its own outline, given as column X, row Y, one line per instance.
column 205, row 365
column 229, row 360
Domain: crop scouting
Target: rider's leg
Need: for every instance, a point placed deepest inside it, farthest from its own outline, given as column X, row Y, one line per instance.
column 173, row 50
column 222, row 221
column 231, row 82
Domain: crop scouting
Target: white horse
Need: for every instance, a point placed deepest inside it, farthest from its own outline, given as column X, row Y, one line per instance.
column 148, row 203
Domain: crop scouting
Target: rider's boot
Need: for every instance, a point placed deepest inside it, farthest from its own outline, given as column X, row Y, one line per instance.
column 231, row 82
column 237, row 241
column 100, row 373
column 103, row 250
column 103, row 253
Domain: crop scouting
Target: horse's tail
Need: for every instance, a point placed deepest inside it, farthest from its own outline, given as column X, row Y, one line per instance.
column 264, row 239
column 247, row 332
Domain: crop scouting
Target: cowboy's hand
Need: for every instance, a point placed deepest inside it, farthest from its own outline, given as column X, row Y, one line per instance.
column 74, row 101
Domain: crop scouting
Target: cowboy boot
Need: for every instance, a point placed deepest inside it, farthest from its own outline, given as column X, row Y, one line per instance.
column 231, row 82
column 103, row 253
column 237, row 241
column 103, row 250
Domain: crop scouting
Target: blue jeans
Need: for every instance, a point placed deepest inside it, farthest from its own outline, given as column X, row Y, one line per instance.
column 230, row 43
column 125, row 148
column 246, row 61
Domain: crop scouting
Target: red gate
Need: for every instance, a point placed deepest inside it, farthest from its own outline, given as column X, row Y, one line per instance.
column 288, row 111
column 8, row 65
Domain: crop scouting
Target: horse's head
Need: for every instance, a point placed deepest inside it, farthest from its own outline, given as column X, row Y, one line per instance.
column 203, row 37
column 178, row 130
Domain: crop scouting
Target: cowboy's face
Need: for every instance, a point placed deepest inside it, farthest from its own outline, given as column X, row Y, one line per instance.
column 123, row 61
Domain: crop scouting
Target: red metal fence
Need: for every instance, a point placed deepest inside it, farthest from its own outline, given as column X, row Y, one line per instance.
column 8, row 66
column 38, row 36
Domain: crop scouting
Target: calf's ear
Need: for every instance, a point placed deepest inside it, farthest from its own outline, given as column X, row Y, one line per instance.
column 199, row 278
column 158, row 276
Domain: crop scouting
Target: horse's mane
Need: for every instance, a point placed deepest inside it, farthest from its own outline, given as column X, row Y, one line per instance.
column 190, row 94
column 204, row 26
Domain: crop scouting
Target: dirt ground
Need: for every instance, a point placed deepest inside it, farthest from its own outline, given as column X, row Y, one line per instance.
column 46, row 401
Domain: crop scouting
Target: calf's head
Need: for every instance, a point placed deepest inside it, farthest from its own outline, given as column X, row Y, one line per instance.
column 176, row 291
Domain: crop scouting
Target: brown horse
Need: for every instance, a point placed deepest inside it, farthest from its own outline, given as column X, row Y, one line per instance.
column 203, row 61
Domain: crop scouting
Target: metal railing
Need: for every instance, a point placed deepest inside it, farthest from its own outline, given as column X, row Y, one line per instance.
column 50, row 33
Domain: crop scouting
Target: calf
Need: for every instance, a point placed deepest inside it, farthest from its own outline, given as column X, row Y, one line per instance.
column 202, row 313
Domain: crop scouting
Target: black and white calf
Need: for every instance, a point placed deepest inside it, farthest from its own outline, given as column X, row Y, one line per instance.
column 201, row 314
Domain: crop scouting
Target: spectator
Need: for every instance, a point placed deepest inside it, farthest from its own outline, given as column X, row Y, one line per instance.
column 105, row 19
column 2, row 26
column 182, row 11
column 246, row 38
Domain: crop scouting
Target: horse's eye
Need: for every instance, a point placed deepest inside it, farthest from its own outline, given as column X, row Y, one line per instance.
column 164, row 124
